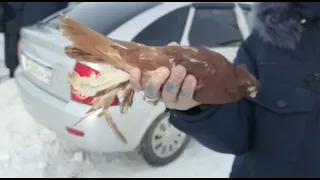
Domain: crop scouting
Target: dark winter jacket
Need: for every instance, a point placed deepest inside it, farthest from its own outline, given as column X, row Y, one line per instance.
column 276, row 134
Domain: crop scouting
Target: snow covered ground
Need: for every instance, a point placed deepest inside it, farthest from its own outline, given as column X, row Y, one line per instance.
column 29, row 150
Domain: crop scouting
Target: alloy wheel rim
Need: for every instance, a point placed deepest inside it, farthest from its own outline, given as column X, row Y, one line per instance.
column 166, row 139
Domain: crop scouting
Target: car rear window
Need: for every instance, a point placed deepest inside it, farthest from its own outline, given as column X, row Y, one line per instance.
column 215, row 27
column 103, row 17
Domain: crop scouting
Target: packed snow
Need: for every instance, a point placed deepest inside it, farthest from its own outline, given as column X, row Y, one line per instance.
column 30, row 150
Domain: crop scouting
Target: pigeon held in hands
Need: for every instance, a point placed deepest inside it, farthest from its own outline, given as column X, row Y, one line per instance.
column 218, row 80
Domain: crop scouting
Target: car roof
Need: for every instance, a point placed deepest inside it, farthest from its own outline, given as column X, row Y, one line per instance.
column 83, row 12
column 138, row 7
column 246, row 5
column 250, row 3
column 111, row 7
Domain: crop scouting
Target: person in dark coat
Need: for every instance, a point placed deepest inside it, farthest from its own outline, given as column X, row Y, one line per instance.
column 276, row 134
column 11, row 23
column 18, row 15
column 1, row 18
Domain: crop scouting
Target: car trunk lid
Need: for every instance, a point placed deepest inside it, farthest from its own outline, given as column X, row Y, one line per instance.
column 42, row 56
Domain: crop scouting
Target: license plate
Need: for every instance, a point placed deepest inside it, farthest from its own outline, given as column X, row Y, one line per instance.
column 42, row 73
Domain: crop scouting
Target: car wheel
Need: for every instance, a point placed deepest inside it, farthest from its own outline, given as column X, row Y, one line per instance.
column 162, row 142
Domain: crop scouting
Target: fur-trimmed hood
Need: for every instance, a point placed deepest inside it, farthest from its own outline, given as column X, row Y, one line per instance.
column 282, row 23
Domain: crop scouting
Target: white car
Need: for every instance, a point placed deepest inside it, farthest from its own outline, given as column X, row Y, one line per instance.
column 41, row 76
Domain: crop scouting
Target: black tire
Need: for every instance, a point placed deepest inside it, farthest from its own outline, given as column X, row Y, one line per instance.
column 147, row 151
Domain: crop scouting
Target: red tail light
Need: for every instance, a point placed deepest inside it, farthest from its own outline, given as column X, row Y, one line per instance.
column 75, row 132
column 85, row 71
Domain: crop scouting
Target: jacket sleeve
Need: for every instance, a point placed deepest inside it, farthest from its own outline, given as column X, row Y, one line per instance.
column 223, row 128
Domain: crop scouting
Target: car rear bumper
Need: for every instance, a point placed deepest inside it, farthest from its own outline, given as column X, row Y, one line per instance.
column 56, row 115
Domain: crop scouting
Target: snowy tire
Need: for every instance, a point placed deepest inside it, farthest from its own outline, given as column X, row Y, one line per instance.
column 163, row 143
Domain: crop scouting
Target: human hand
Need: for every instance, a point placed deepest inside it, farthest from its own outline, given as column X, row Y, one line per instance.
column 174, row 88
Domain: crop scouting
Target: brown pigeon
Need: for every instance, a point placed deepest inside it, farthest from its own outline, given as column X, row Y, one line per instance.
column 218, row 80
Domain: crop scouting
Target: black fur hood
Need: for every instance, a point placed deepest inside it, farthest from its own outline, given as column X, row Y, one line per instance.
column 282, row 23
